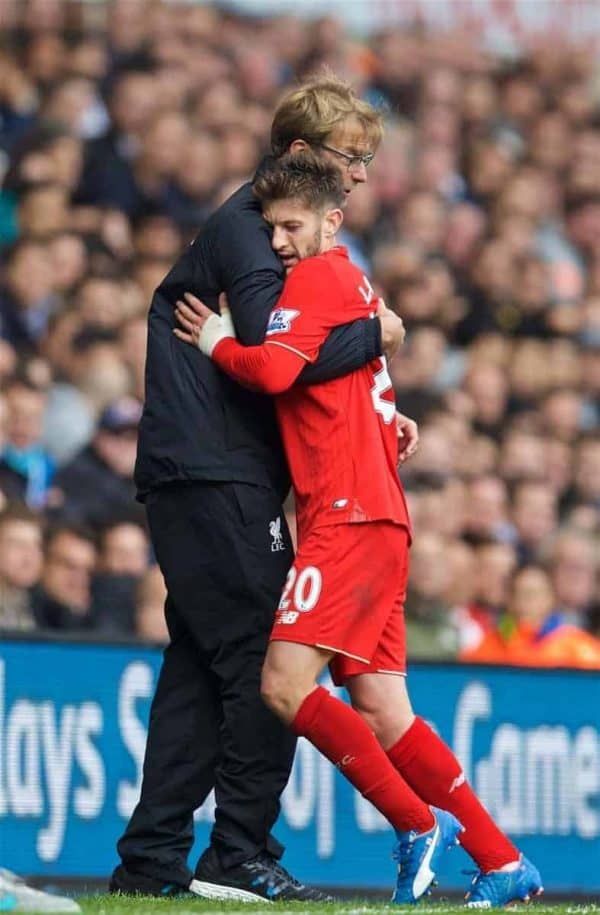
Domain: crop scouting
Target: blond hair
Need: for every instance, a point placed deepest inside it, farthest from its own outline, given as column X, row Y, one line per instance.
column 316, row 108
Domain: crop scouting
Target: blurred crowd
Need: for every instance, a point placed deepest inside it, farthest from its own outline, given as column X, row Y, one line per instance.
column 123, row 125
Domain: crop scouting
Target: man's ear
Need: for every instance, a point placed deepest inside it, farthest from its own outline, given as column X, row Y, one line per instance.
column 333, row 220
column 298, row 145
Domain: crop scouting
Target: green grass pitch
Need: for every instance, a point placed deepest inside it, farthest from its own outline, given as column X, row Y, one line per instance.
column 113, row 905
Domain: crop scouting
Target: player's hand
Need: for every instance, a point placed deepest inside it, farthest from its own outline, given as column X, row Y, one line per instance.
column 408, row 437
column 392, row 330
column 199, row 325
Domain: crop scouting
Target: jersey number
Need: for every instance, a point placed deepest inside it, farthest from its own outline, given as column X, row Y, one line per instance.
column 383, row 383
column 306, row 587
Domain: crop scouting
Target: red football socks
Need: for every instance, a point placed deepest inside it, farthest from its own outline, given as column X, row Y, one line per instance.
column 434, row 773
column 346, row 739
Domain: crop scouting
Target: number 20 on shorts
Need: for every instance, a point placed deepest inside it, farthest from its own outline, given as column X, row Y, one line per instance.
column 302, row 590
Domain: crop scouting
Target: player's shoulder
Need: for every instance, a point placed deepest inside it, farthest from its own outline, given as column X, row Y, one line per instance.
column 339, row 261
column 240, row 213
column 242, row 206
column 310, row 267
column 326, row 265
column 236, row 237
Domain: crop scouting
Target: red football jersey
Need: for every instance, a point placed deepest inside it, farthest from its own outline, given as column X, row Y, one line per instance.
column 340, row 436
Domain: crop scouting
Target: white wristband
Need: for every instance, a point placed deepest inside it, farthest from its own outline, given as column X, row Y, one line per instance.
column 216, row 328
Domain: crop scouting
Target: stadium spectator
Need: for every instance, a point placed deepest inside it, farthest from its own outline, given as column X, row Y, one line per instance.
column 69, row 261
column 43, row 210
column 494, row 564
column 18, row 101
column 535, row 516
column 123, row 549
column 107, row 175
column 573, row 562
column 21, row 560
column 487, row 511
column 430, row 629
column 94, row 363
column 586, row 476
column 26, row 468
column 532, row 633
column 98, row 483
column 487, row 386
column 523, row 455
column 122, row 563
column 27, row 295
column 63, row 599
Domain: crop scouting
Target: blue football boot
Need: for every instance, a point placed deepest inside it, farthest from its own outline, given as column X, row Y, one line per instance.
column 418, row 856
column 498, row 888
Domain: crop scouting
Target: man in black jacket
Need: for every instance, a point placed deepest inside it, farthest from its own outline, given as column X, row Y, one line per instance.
column 96, row 486
column 212, row 473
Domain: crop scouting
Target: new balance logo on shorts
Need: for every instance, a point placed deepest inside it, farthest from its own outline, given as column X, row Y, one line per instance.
column 277, row 544
column 288, row 617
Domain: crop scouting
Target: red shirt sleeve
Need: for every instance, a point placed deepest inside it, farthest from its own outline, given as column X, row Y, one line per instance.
column 268, row 368
column 309, row 307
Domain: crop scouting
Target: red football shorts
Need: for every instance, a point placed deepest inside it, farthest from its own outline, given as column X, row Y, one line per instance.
column 345, row 593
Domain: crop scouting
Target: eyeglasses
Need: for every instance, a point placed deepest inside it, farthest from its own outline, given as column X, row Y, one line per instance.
column 351, row 161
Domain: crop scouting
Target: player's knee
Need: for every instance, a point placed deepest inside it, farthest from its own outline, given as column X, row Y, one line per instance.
column 372, row 715
column 282, row 694
column 387, row 722
column 274, row 690
column 368, row 702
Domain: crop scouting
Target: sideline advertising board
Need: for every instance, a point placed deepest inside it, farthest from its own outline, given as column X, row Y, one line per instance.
column 73, row 721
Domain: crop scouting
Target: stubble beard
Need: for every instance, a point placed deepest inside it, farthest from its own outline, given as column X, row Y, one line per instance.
column 315, row 246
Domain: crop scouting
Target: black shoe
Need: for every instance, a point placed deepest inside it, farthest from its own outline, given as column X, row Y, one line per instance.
column 132, row 883
column 262, row 878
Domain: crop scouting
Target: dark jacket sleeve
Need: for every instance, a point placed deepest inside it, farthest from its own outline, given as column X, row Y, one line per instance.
column 346, row 349
column 250, row 273
column 252, row 277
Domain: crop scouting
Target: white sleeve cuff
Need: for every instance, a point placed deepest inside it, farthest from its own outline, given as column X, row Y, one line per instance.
column 216, row 328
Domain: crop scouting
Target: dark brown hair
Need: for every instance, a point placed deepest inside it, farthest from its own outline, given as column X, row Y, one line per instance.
column 303, row 177
column 18, row 511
